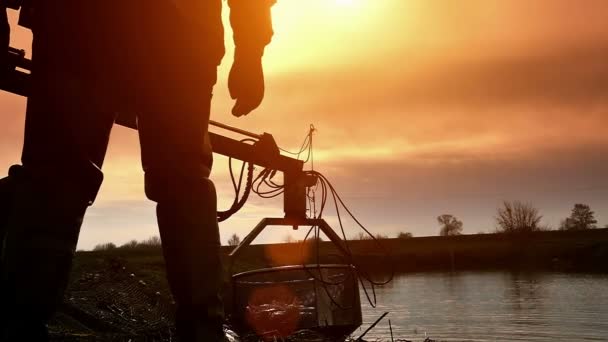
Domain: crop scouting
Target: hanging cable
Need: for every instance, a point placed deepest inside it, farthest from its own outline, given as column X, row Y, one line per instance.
column 362, row 274
column 237, row 204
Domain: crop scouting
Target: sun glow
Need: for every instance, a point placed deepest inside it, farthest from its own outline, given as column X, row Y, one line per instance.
column 346, row 2
column 323, row 33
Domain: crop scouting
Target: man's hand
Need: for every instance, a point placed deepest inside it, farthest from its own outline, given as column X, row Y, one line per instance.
column 246, row 83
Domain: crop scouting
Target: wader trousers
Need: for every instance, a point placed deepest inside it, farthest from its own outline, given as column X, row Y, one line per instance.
column 91, row 60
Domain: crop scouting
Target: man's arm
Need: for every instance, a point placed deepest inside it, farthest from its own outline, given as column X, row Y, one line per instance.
column 252, row 26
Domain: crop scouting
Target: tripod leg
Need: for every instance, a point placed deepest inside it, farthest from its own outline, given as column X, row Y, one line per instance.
column 249, row 238
column 334, row 238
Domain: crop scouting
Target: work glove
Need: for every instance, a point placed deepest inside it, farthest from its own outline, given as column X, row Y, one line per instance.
column 246, row 82
column 5, row 39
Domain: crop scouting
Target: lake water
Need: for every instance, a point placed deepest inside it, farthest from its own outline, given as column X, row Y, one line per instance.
column 492, row 306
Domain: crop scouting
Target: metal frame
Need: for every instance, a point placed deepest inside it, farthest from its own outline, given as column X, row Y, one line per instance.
column 321, row 223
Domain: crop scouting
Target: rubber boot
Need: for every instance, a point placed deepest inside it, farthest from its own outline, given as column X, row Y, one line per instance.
column 6, row 199
column 41, row 234
column 191, row 247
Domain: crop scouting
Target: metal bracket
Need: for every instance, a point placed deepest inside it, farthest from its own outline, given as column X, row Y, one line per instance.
column 321, row 223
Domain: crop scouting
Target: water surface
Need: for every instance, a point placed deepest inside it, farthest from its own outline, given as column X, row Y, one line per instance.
column 492, row 306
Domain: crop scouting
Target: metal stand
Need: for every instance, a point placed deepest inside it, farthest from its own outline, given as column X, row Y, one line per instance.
column 321, row 223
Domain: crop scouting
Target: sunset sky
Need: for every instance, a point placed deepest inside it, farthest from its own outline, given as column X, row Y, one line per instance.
column 423, row 107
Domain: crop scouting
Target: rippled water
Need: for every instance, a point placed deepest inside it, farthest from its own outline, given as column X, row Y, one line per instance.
column 492, row 306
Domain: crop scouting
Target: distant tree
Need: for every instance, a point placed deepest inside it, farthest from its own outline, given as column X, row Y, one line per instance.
column 367, row 236
column 314, row 239
column 581, row 218
column 450, row 225
column 381, row 236
column 405, row 235
column 234, row 240
column 517, row 217
column 108, row 246
column 130, row 245
column 362, row 236
column 153, row 241
column 289, row 239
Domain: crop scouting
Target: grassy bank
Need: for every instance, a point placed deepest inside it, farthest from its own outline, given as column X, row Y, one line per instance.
column 552, row 250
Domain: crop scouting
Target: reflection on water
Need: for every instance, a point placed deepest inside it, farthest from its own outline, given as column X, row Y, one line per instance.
column 493, row 306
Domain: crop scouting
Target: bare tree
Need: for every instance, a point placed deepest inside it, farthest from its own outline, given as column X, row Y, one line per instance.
column 450, row 225
column 581, row 218
column 108, row 246
column 130, row 245
column 517, row 217
column 362, row 236
column 405, row 235
column 234, row 240
column 367, row 236
column 289, row 239
column 153, row 241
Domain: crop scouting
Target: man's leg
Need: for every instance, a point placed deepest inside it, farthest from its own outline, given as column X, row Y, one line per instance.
column 175, row 92
column 191, row 246
column 7, row 186
column 176, row 157
column 177, row 162
column 65, row 141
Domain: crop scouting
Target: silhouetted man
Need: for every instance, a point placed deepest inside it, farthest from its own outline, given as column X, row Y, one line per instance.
column 92, row 59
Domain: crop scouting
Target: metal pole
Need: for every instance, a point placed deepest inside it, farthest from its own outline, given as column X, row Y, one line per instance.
column 249, row 238
column 333, row 237
column 234, row 129
column 372, row 326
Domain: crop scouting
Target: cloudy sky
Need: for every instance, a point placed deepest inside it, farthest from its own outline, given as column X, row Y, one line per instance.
column 423, row 107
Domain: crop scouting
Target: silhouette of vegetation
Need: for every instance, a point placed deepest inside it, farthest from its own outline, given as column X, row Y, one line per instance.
column 518, row 217
column 450, row 225
column 361, row 236
column 581, row 218
column 365, row 236
column 289, row 239
column 152, row 242
column 405, row 235
column 130, row 245
column 311, row 239
column 234, row 240
column 104, row 247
